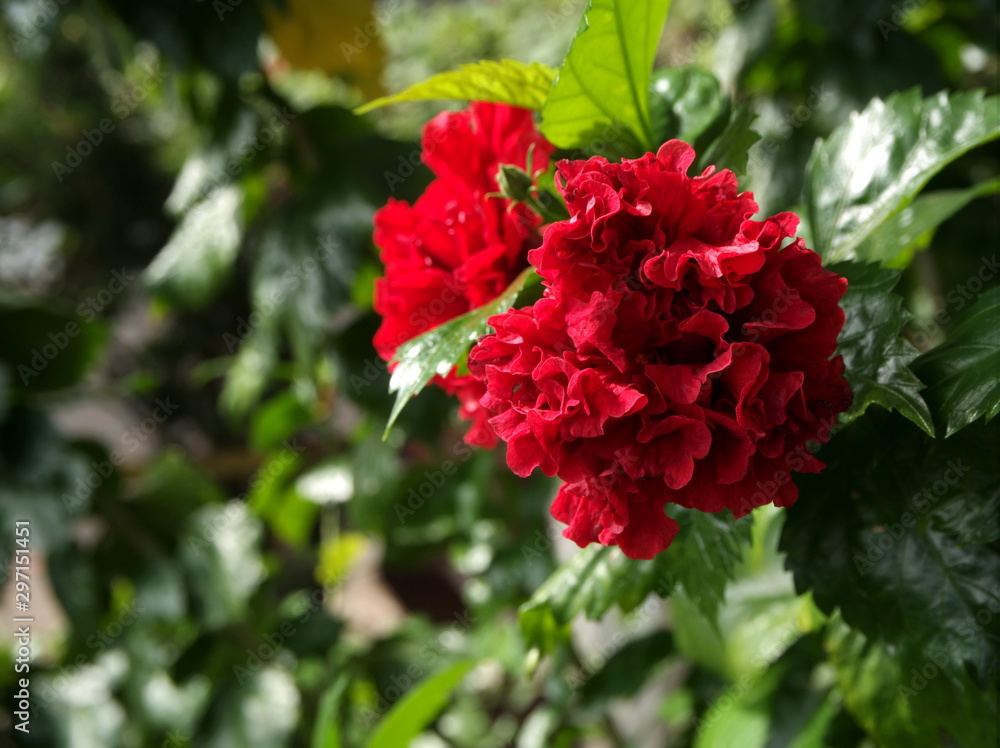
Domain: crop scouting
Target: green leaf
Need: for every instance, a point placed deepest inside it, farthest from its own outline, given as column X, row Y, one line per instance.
column 46, row 349
column 963, row 374
column 895, row 241
column 684, row 103
column 731, row 149
column 739, row 718
column 504, row 82
column 702, row 557
column 326, row 730
column 273, row 498
column 277, row 419
column 437, row 351
column 251, row 369
column 902, row 701
column 602, row 90
column 705, row 554
column 415, row 711
column 880, row 159
column 901, row 534
column 43, row 480
column 199, row 256
column 261, row 713
column 760, row 618
column 628, row 669
column 221, row 551
column 594, row 580
column 875, row 356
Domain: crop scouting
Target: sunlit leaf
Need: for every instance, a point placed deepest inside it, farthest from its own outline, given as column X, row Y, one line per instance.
column 199, row 256
column 895, row 241
column 437, row 351
column 601, row 94
column 874, row 164
column 504, row 82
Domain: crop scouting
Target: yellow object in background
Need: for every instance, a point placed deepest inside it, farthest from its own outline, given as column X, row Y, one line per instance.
column 339, row 37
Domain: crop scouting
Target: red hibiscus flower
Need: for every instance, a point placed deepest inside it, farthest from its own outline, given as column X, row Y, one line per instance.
column 680, row 353
column 456, row 249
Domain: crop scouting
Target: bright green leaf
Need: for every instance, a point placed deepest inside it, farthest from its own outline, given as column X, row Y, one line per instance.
column 878, row 161
column 875, row 356
column 437, row 351
column 505, row 82
column 963, row 374
column 895, row 241
column 326, row 730
column 199, row 256
column 418, row 708
column 602, row 90
column 739, row 718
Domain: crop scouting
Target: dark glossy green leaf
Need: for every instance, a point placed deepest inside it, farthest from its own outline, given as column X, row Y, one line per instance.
column 437, row 351
column 4, row 390
column 731, row 149
column 963, row 374
column 601, row 94
column 46, row 349
column 875, row 356
column 894, row 533
column 504, row 81
column 200, row 254
column 905, row 701
column 895, row 241
column 418, row 708
column 684, row 103
column 43, row 480
column 876, row 163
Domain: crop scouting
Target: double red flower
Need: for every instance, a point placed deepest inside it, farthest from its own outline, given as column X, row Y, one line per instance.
column 456, row 249
column 680, row 353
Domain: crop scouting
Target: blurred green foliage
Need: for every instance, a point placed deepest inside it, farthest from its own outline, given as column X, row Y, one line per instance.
column 226, row 553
